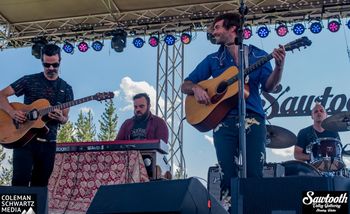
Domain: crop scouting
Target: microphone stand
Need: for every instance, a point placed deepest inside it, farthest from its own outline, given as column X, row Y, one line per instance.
column 243, row 10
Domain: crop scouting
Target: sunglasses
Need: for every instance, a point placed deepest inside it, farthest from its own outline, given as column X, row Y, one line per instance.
column 47, row 65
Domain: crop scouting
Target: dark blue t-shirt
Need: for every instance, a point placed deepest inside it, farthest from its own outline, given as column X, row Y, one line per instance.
column 36, row 86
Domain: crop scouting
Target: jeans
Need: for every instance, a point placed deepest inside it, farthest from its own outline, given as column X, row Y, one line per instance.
column 226, row 141
column 33, row 163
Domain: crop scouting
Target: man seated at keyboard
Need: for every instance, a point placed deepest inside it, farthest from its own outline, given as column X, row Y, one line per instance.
column 143, row 125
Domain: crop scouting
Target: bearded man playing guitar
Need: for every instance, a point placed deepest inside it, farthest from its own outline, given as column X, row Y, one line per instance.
column 226, row 132
column 33, row 163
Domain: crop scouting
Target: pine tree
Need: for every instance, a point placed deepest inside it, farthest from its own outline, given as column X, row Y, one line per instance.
column 5, row 172
column 108, row 122
column 66, row 133
column 85, row 128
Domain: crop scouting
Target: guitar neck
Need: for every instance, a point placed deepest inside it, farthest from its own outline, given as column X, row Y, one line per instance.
column 45, row 111
column 258, row 64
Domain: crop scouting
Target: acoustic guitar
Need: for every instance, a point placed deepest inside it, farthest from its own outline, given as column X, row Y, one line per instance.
column 223, row 92
column 14, row 135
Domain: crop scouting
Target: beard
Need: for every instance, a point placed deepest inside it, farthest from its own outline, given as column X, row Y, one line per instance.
column 52, row 73
column 142, row 116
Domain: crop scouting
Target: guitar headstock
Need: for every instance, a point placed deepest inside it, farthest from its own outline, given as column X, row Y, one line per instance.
column 103, row 96
column 296, row 44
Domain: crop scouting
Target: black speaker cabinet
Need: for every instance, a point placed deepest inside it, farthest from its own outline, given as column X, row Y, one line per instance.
column 15, row 199
column 171, row 197
column 279, row 195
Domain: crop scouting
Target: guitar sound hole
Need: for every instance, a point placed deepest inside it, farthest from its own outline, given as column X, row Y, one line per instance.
column 222, row 87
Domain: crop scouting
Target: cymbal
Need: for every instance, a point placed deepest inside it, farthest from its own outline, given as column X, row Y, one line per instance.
column 339, row 122
column 279, row 138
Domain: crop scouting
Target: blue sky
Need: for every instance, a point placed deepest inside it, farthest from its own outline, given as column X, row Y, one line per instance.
column 308, row 72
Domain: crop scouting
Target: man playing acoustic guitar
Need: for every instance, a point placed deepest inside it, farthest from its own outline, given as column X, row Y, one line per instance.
column 226, row 133
column 33, row 163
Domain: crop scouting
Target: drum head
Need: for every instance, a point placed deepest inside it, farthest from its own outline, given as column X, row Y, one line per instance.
column 299, row 168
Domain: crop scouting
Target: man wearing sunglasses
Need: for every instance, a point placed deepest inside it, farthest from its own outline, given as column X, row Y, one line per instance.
column 34, row 162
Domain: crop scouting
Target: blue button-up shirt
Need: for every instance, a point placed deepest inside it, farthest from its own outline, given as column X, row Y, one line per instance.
column 216, row 63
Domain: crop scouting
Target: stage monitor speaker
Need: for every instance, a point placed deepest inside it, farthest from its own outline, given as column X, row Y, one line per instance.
column 15, row 199
column 162, row 197
column 279, row 195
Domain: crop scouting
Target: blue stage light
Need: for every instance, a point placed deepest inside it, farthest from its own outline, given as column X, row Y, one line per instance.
column 138, row 42
column 68, row 48
column 169, row 39
column 97, row 45
column 316, row 27
column 348, row 24
column 298, row 29
column 263, row 31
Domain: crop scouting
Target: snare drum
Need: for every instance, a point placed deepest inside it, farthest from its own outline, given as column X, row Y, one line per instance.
column 326, row 154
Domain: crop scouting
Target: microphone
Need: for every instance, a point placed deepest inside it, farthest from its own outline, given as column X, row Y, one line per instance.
column 283, row 92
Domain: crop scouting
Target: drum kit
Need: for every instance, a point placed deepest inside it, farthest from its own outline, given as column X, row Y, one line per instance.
column 326, row 153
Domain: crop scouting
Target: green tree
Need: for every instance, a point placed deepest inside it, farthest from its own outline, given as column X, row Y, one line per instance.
column 85, row 128
column 66, row 133
column 5, row 172
column 108, row 122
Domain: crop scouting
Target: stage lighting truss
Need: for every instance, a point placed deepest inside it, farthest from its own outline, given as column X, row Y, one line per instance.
column 247, row 32
column 97, row 45
column 298, row 29
column 68, row 47
column 169, row 39
column 315, row 26
column 83, row 46
column 138, row 42
column 38, row 45
column 333, row 24
column 186, row 38
column 281, row 29
column 263, row 31
column 153, row 41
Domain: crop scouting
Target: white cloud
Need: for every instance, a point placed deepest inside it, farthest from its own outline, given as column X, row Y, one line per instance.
column 209, row 139
column 116, row 93
column 130, row 88
column 288, row 152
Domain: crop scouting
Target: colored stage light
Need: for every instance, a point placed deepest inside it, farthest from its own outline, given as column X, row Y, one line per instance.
column 263, row 31
column 186, row 38
column 348, row 23
column 138, row 42
column 298, row 29
column 118, row 42
column 333, row 26
column 169, row 39
column 247, row 32
column 316, row 27
column 97, row 45
column 153, row 41
column 281, row 30
column 68, row 48
column 83, row 46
